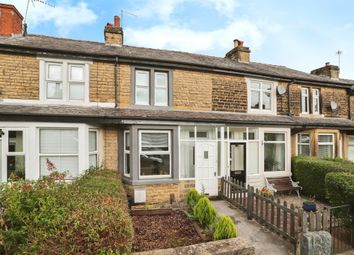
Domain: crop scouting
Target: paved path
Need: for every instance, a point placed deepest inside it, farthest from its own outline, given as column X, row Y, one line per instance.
column 265, row 242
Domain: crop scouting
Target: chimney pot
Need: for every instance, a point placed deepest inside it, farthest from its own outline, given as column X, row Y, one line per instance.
column 113, row 33
column 239, row 53
column 328, row 70
column 116, row 21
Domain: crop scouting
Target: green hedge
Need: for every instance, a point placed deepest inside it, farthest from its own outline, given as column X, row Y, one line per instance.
column 311, row 173
column 340, row 188
column 89, row 216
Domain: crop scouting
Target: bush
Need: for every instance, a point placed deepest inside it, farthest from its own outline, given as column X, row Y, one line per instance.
column 204, row 212
column 311, row 173
column 88, row 216
column 224, row 228
column 340, row 188
column 192, row 199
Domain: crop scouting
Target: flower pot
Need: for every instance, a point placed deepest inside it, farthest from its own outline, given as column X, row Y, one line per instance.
column 309, row 207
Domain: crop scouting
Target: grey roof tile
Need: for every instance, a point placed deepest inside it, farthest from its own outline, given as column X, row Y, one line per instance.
column 47, row 43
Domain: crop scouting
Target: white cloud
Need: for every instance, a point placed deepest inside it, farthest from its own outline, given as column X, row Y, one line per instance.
column 185, row 39
column 65, row 16
column 165, row 8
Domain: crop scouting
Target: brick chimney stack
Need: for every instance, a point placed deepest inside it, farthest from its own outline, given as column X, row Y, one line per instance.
column 328, row 70
column 10, row 20
column 239, row 53
column 113, row 33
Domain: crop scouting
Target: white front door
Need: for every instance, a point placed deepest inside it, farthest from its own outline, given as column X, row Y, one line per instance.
column 206, row 168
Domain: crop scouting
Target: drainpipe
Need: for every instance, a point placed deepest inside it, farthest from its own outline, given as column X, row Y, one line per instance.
column 289, row 104
column 349, row 105
column 115, row 83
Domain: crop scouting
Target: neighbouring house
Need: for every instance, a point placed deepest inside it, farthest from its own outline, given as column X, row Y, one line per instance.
column 167, row 120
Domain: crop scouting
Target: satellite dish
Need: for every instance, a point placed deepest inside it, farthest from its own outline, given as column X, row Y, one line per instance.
column 333, row 105
column 281, row 90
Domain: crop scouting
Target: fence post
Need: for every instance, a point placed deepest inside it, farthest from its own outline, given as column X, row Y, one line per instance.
column 222, row 186
column 352, row 214
column 250, row 192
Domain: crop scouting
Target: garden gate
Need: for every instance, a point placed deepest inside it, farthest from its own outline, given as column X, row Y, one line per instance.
column 341, row 228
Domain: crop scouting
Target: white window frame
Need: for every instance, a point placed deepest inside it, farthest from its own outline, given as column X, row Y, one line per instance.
column 125, row 153
column 58, row 155
column 168, row 152
column 276, row 142
column 7, row 153
column 65, row 79
column 326, row 143
column 90, row 153
column 166, row 74
column 273, row 84
column 148, row 87
column 299, row 143
column 315, row 100
column 350, row 144
column 305, row 100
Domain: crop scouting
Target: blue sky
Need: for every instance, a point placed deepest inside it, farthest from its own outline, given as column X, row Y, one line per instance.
column 299, row 34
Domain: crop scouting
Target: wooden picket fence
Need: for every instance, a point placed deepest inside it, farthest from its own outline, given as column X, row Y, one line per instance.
column 288, row 221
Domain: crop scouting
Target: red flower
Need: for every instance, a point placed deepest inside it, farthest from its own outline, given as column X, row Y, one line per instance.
column 27, row 187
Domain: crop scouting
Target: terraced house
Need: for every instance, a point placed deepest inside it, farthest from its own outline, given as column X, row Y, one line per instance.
column 167, row 120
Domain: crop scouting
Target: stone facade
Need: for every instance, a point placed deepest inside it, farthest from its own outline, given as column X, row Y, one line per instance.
column 192, row 90
column 229, row 93
column 102, row 82
column 124, row 87
column 19, row 77
column 110, row 148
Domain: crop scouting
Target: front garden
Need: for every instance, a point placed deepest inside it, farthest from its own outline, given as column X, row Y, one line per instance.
column 327, row 180
column 52, row 216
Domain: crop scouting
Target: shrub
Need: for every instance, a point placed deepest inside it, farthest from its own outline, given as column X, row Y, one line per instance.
column 224, row 228
column 311, row 173
column 204, row 212
column 88, row 216
column 192, row 199
column 340, row 188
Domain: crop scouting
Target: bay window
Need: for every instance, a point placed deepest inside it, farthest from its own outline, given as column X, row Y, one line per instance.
column 126, row 158
column 326, row 145
column 304, row 100
column 274, row 152
column 93, row 149
column 303, row 144
column 351, row 148
column 261, row 96
column 152, row 87
column 63, row 80
column 155, row 153
column 58, row 151
column 15, row 154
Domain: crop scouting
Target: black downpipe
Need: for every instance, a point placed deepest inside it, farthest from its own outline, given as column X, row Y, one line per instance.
column 115, row 83
column 289, row 102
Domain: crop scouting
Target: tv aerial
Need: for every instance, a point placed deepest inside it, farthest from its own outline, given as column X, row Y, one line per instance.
column 126, row 12
column 27, row 7
column 339, row 53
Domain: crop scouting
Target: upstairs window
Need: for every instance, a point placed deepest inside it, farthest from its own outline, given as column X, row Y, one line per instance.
column 152, row 87
column 315, row 101
column 305, row 100
column 64, row 81
column 262, row 96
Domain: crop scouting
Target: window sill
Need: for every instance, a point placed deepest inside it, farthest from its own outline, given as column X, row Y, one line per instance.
column 308, row 115
column 261, row 112
column 150, row 181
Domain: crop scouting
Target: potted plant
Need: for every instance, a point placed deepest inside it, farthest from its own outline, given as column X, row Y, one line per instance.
column 309, row 205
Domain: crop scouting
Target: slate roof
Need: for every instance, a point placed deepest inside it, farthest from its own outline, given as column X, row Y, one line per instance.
column 42, row 43
column 116, row 116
